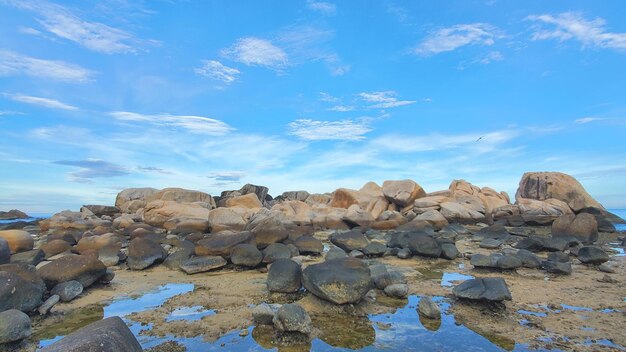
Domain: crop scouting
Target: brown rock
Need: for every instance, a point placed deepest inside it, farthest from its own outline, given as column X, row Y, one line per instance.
column 403, row 192
column 55, row 247
column 582, row 226
column 83, row 269
column 546, row 185
column 222, row 243
column 18, row 240
column 249, row 201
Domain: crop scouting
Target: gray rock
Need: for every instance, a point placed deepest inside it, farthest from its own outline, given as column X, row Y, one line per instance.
column 48, row 304
column 389, row 278
column 108, row 276
column 557, row 267
column 555, row 244
column 558, row 257
column 405, row 253
column 533, row 244
column 397, row 290
column 592, row 255
column 18, row 293
column 488, row 289
column 490, row 243
column 292, row 318
column 339, row 281
column 246, row 255
column 110, row 334
column 335, row 253
column 196, row 265
column 68, row 290
column 496, row 231
column 143, row 252
column 32, row 257
column 425, row 246
column 274, row 252
column 528, row 258
column 449, row 251
column 606, row 268
column 356, row 254
column 309, row 245
column 284, row 275
column 5, row 251
column 484, row 261
column 293, row 250
column 375, row 249
column 14, row 326
column 174, row 260
column 508, row 262
column 349, row 241
column 263, row 314
column 377, row 269
column 428, row 308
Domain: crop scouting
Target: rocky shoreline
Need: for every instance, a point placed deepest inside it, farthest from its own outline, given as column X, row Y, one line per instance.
column 348, row 248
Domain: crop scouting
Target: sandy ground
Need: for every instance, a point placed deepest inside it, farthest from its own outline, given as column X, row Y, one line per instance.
column 231, row 293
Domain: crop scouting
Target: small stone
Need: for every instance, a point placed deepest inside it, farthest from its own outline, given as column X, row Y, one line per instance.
column 108, row 276
column 292, row 317
column 357, row 254
column 196, row 265
column 607, row 279
column 449, row 251
column 404, row 253
column 606, row 268
column 244, row 333
column 558, row 257
column 264, row 313
column 68, row 290
column 48, row 304
column 558, row 267
column 428, row 308
column 389, row 278
column 397, row 290
column 14, row 326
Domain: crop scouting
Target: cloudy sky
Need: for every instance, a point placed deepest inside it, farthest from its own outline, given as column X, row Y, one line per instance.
column 100, row 96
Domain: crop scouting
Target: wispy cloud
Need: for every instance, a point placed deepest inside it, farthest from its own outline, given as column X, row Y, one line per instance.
column 9, row 113
column 482, row 142
column 328, row 98
column 452, row 38
column 254, row 51
column 95, row 36
column 383, row 100
column 572, row 25
column 327, row 8
column 192, row 124
column 154, row 169
column 45, row 102
column 227, row 176
column 585, row 120
column 316, row 130
column 92, row 168
column 342, row 108
column 218, row 71
column 12, row 63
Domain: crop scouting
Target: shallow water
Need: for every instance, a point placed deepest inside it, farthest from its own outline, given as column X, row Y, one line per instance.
column 401, row 329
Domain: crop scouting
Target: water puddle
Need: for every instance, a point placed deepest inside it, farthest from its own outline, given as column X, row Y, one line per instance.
column 189, row 313
column 450, row 279
column 619, row 251
column 534, row 314
column 576, row 308
column 604, row 342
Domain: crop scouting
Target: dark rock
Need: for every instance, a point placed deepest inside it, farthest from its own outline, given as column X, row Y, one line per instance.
column 293, row 250
column 246, row 255
column 5, row 251
column 143, row 253
column 339, row 281
column 107, row 335
column 388, row 278
column 196, row 265
column 555, row 244
column 18, row 293
column 222, row 244
column 292, row 318
column 533, row 244
column 14, row 326
column 26, row 272
column 83, row 269
column 284, row 275
column 32, row 257
column 528, row 258
column 583, row 227
column 275, row 251
column 48, row 304
column 263, row 314
column 592, row 255
column 402, row 239
column 425, row 246
column 100, row 210
column 267, row 231
column 558, row 257
column 484, row 261
column 54, row 247
column 508, row 262
column 375, row 249
column 557, row 267
column 405, row 253
column 68, row 290
column 428, row 308
column 174, row 260
column 489, row 289
column 490, row 243
column 309, row 245
column 449, row 251
column 349, row 241
column 356, row 254
column 13, row 214
column 108, row 276
column 496, row 231
column 397, row 290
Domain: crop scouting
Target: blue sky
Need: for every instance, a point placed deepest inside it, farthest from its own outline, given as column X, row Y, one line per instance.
column 100, row 96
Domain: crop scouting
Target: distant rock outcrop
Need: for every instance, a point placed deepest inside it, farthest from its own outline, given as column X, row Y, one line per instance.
column 13, row 214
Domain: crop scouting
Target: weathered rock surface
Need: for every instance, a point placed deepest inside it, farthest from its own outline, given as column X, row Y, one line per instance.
column 158, row 212
column 102, row 210
column 143, row 252
column 428, row 308
column 309, row 245
column 267, row 230
column 402, row 192
column 546, row 185
column 425, row 246
column 248, row 201
column 83, row 269
column 18, row 240
column 246, row 255
column 14, row 326
column 292, row 318
column 222, row 244
column 339, row 281
column 110, row 334
column 5, row 251
column 592, row 255
column 284, row 275
column 18, row 293
column 583, row 227
column 13, row 214
column 488, row 289
column 349, row 241
column 196, row 265
column 263, row 314
column 68, row 290
column 276, row 251
column 32, row 257
column 223, row 219
column 55, row 247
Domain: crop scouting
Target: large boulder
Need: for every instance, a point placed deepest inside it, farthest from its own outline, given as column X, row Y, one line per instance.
column 246, row 255
column 434, row 218
column 13, row 214
column 158, row 212
column 541, row 212
column 19, row 293
column 259, row 191
column 110, row 334
column 461, row 212
column 143, row 252
column 339, row 281
column 222, row 243
column 425, row 246
column 100, row 210
column 5, row 252
column 54, row 247
column 488, row 289
column 284, row 275
column 547, row 185
column 132, row 199
column 294, row 211
column 14, row 326
column 84, row 269
column 592, row 255
column 181, row 195
column 223, row 219
column 402, row 192
column 249, row 201
column 186, row 225
column 309, row 245
column 349, row 241
column 583, row 227
column 18, row 240
column 267, row 230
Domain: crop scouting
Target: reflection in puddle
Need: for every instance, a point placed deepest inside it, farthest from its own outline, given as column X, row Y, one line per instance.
column 576, row 308
column 535, row 314
column 189, row 313
column 604, row 342
column 619, row 250
column 449, row 279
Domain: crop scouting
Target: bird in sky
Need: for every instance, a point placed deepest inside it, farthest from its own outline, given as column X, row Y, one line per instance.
column 479, row 138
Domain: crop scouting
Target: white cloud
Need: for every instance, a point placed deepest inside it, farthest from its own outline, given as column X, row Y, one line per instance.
column 29, row 30
column 92, row 168
column 585, row 120
column 491, row 57
column 253, row 51
column 12, row 63
column 217, row 71
column 383, row 100
column 328, row 98
column 342, row 108
column 45, row 102
column 9, row 113
column 326, row 8
column 340, row 70
column 315, row 130
column 570, row 25
column 452, row 38
column 193, row 124
column 94, row 36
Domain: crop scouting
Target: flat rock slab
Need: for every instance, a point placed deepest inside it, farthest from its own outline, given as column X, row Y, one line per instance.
column 196, row 265
column 339, row 281
column 487, row 289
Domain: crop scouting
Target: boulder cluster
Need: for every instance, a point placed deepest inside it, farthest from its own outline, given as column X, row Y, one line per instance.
column 194, row 232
